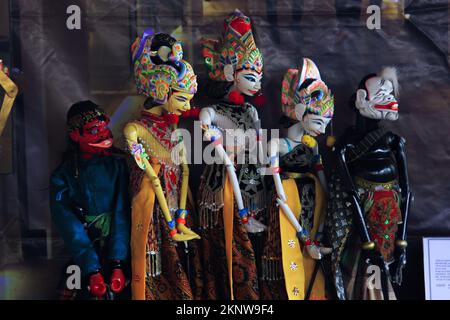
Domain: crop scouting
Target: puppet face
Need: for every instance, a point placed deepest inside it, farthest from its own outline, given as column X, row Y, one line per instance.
column 315, row 108
column 248, row 82
column 179, row 102
column 378, row 100
column 315, row 125
column 245, row 81
column 95, row 136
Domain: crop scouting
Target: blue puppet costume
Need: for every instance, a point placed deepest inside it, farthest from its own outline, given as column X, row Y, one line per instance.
column 90, row 203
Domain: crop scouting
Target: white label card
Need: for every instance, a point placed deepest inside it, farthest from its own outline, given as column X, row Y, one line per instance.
column 436, row 259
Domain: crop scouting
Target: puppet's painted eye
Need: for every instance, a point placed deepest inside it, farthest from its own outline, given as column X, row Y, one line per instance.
column 317, row 95
column 318, row 122
column 250, row 78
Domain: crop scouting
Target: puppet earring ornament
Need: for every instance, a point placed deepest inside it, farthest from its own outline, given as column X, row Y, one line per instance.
column 228, row 72
column 160, row 216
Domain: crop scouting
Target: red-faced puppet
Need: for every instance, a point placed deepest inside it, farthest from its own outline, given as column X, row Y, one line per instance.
column 89, row 202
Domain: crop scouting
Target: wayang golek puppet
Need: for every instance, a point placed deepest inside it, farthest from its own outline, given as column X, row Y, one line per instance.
column 370, row 195
column 297, row 212
column 235, row 71
column 89, row 203
column 161, row 268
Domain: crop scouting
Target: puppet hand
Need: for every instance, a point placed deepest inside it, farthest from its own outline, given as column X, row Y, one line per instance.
column 281, row 198
column 314, row 251
column 398, row 278
column 97, row 286
column 185, row 230
column 325, row 251
column 254, row 226
column 212, row 133
column 117, row 280
column 178, row 237
column 181, row 215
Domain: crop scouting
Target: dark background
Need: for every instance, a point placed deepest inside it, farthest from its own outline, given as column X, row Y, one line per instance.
column 60, row 66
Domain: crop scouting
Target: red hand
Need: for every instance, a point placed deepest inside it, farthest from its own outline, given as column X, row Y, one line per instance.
column 97, row 285
column 117, row 280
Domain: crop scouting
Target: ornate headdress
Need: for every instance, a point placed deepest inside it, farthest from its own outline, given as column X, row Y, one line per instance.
column 306, row 88
column 237, row 48
column 157, row 72
column 82, row 113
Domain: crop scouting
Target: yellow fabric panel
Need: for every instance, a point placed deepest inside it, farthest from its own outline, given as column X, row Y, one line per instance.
column 11, row 92
column 141, row 217
column 298, row 267
column 292, row 257
column 228, row 218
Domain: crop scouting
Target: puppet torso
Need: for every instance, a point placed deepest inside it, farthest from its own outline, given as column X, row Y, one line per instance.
column 229, row 116
column 371, row 156
column 299, row 159
column 156, row 136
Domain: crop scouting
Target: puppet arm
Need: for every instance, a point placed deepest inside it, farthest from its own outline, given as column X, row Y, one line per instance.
column 71, row 229
column 259, row 136
column 120, row 230
column 318, row 167
column 313, row 250
column 406, row 194
column 368, row 244
column 182, row 212
column 131, row 136
column 398, row 146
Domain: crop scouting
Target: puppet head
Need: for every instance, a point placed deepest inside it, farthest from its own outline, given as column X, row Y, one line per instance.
column 160, row 72
column 306, row 98
column 235, row 58
column 88, row 128
column 377, row 94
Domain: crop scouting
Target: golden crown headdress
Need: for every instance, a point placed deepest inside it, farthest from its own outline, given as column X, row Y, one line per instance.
column 157, row 79
column 237, row 47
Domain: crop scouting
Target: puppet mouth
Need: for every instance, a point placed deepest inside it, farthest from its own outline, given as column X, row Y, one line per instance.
column 103, row 144
column 253, row 91
column 313, row 133
column 392, row 106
